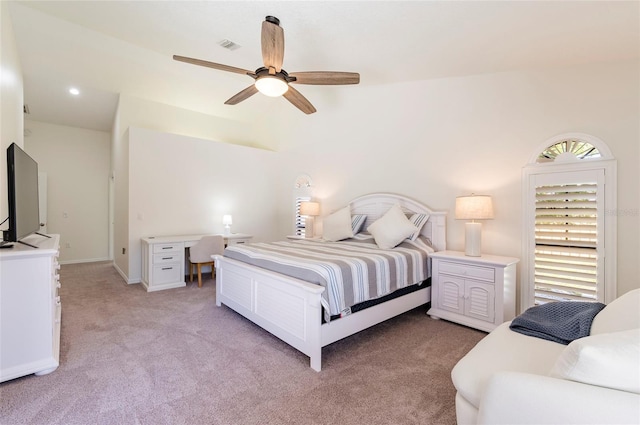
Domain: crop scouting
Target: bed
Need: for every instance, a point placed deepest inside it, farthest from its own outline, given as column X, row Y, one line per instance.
column 297, row 311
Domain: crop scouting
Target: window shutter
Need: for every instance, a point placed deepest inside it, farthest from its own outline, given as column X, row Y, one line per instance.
column 300, row 221
column 569, row 242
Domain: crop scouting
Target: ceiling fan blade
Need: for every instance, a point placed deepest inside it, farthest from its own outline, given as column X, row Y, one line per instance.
column 325, row 78
column 272, row 44
column 244, row 94
column 299, row 101
column 213, row 65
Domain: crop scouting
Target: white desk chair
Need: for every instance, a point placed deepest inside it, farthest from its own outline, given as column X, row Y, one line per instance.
column 200, row 255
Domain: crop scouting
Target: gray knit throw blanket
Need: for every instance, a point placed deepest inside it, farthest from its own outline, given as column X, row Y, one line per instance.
column 560, row 322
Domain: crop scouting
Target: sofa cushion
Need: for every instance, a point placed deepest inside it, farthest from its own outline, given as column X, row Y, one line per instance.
column 621, row 314
column 610, row 360
column 502, row 350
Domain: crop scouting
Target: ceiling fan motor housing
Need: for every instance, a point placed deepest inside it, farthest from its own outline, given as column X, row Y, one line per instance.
column 273, row 20
column 283, row 75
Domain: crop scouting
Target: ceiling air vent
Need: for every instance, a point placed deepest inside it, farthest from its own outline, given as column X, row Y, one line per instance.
column 228, row 44
column 25, row 108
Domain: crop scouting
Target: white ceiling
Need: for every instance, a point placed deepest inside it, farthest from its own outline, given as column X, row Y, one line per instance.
column 110, row 47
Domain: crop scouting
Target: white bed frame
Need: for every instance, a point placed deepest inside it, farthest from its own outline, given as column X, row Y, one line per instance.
column 290, row 308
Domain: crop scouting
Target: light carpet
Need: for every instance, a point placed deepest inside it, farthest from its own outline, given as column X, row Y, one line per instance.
column 173, row 357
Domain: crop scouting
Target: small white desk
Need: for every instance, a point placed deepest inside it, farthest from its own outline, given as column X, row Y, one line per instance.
column 163, row 258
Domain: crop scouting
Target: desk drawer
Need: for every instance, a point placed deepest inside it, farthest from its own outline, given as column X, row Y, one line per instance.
column 463, row 270
column 168, row 257
column 166, row 274
column 167, row 247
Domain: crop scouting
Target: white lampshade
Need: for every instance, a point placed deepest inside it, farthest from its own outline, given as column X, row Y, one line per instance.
column 271, row 86
column 474, row 207
column 309, row 208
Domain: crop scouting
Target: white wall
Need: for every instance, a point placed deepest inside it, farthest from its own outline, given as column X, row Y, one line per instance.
column 77, row 162
column 11, row 101
column 184, row 185
column 169, row 120
column 119, row 208
column 152, row 115
column 438, row 139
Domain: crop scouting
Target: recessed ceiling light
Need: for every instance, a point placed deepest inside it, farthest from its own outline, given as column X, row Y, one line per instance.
column 74, row 91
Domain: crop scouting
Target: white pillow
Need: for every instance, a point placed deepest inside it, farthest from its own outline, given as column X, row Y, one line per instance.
column 337, row 226
column 418, row 220
column 608, row 360
column 620, row 314
column 392, row 228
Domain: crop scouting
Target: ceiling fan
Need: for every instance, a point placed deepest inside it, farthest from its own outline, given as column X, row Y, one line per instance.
column 271, row 79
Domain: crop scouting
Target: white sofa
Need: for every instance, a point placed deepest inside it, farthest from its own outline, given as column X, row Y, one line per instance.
column 511, row 378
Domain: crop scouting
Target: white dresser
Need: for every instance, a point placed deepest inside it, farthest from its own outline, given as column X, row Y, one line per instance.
column 30, row 308
column 163, row 258
column 479, row 292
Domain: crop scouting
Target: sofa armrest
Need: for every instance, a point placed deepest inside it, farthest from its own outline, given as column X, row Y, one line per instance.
column 521, row 398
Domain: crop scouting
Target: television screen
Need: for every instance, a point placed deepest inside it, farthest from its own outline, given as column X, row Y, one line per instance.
column 22, row 178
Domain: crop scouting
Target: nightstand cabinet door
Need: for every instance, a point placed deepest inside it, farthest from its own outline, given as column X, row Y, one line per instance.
column 479, row 301
column 474, row 291
column 451, row 294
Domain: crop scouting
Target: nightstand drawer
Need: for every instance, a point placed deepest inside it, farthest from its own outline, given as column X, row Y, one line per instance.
column 464, row 270
column 238, row 241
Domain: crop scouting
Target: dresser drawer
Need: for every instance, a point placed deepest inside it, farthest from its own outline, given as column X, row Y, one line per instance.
column 474, row 272
column 168, row 257
column 166, row 274
column 167, row 247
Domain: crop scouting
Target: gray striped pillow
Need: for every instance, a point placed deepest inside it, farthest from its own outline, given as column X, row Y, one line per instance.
column 418, row 220
column 357, row 221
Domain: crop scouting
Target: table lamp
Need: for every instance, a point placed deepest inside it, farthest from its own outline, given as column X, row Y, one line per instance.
column 473, row 207
column 309, row 209
column 227, row 220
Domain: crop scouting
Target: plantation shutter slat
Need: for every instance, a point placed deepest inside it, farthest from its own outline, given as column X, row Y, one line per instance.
column 300, row 220
column 567, row 240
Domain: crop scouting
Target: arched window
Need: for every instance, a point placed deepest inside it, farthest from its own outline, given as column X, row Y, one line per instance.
column 569, row 239
column 569, row 149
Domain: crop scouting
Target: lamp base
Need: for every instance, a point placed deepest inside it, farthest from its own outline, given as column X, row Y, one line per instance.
column 308, row 227
column 227, row 230
column 472, row 239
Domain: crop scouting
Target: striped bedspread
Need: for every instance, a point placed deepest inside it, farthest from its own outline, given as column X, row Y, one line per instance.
column 352, row 271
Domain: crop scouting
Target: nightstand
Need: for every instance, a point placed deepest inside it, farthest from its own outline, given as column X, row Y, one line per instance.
column 479, row 292
column 302, row 238
column 237, row 238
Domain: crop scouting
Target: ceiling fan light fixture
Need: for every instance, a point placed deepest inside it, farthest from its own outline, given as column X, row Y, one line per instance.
column 271, row 86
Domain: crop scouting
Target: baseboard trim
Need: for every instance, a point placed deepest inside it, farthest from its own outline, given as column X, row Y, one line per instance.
column 87, row 260
column 124, row 275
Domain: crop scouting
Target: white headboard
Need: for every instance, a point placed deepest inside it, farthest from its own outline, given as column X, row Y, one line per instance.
column 375, row 205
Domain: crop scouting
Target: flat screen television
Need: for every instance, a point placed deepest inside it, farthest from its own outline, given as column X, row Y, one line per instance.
column 22, row 179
